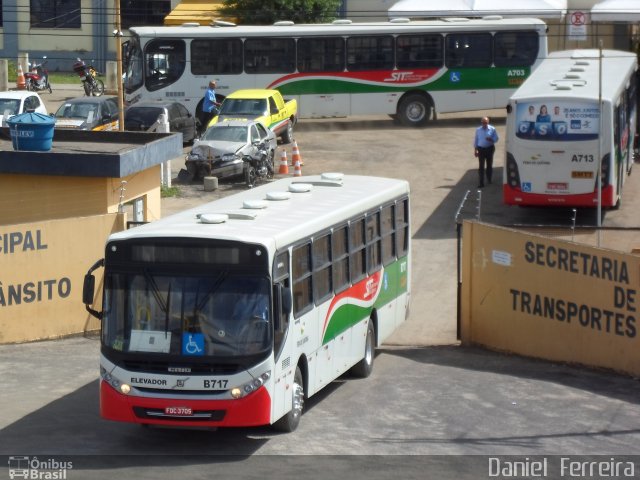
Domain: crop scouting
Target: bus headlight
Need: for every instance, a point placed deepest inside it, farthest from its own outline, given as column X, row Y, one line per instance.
column 251, row 386
column 114, row 382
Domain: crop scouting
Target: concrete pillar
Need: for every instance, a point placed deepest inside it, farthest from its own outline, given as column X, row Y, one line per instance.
column 165, row 170
column 4, row 74
column 23, row 61
column 210, row 184
column 138, row 210
column 111, row 84
column 165, row 173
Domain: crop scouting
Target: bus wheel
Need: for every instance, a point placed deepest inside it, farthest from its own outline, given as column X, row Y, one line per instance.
column 414, row 110
column 364, row 367
column 291, row 420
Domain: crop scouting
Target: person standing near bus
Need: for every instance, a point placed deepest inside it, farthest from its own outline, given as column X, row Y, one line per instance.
column 484, row 146
column 209, row 105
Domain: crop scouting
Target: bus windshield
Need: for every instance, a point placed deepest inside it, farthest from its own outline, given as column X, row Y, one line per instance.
column 132, row 65
column 223, row 315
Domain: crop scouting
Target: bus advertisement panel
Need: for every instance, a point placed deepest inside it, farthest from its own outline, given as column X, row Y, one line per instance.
column 560, row 121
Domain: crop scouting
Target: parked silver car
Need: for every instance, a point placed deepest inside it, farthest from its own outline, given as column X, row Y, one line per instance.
column 220, row 150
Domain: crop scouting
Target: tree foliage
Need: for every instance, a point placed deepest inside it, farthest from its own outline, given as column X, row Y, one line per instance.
column 266, row 12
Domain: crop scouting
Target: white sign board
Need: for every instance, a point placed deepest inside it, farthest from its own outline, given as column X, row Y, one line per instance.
column 578, row 21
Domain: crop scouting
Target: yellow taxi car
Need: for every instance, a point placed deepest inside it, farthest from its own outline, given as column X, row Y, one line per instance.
column 88, row 113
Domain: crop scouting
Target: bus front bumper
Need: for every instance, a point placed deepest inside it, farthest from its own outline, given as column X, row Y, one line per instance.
column 515, row 196
column 252, row 410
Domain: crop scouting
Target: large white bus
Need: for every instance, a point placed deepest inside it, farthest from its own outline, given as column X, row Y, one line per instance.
column 235, row 312
column 408, row 69
column 576, row 113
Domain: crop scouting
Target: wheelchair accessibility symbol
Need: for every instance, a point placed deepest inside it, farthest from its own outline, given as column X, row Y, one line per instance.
column 454, row 77
column 192, row 344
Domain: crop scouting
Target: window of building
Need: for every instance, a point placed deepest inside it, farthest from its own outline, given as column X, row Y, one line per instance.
column 55, row 14
column 143, row 12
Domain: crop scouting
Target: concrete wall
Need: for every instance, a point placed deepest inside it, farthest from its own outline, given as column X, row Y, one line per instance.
column 550, row 299
column 43, row 266
column 25, row 198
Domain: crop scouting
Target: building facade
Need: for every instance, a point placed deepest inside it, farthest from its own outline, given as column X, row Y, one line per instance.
column 64, row 30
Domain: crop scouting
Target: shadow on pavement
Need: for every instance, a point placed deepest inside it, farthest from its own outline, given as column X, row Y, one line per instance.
column 600, row 382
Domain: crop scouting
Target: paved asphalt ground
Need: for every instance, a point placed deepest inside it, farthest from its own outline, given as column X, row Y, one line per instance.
column 444, row 406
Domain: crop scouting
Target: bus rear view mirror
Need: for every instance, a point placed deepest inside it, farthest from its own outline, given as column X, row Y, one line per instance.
column 88, row 289
column 286, row 300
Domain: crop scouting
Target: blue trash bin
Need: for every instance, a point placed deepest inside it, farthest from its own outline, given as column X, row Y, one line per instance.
column 31, row 131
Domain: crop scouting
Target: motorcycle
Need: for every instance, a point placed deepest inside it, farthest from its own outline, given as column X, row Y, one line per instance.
column 89, row 76
column 37, row 78
column 257, row 167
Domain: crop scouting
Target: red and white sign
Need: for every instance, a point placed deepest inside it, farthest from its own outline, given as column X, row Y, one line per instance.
column 578, row 21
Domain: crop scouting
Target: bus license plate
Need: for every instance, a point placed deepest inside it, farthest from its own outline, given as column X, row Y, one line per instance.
column 178, row 411
column 581, row 174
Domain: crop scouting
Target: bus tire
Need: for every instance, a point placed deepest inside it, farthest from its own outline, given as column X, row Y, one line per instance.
column 364, row 367
column 414, row 110
column 291, row 419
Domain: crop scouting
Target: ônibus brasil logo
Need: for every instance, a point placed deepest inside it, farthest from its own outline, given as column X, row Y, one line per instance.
column 34, row 468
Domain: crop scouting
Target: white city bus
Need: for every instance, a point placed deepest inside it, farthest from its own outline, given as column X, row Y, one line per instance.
column 233, row 313
column 558, row 136
column 411, row 69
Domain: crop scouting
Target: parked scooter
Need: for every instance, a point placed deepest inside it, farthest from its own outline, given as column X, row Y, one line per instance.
column 37, row 78
column 258, row 167
column 89, row 76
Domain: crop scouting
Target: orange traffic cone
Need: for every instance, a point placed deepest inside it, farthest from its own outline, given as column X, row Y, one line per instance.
column 297, row 169
column 20, row 82
column 295, row 154
column 284, row 165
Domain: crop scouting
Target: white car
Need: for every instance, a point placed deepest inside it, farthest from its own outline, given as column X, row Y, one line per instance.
column 20, row 101
column 223, row 145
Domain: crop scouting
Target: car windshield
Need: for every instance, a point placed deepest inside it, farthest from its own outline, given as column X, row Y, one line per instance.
column 226, row 134
column 78, row 110
column 9, row 106
column 236, row 106
column 144, row 115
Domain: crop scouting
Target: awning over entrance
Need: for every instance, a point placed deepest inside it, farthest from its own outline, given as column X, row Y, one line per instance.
column 198, row 11
column 479, row 8
column 616, row 11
